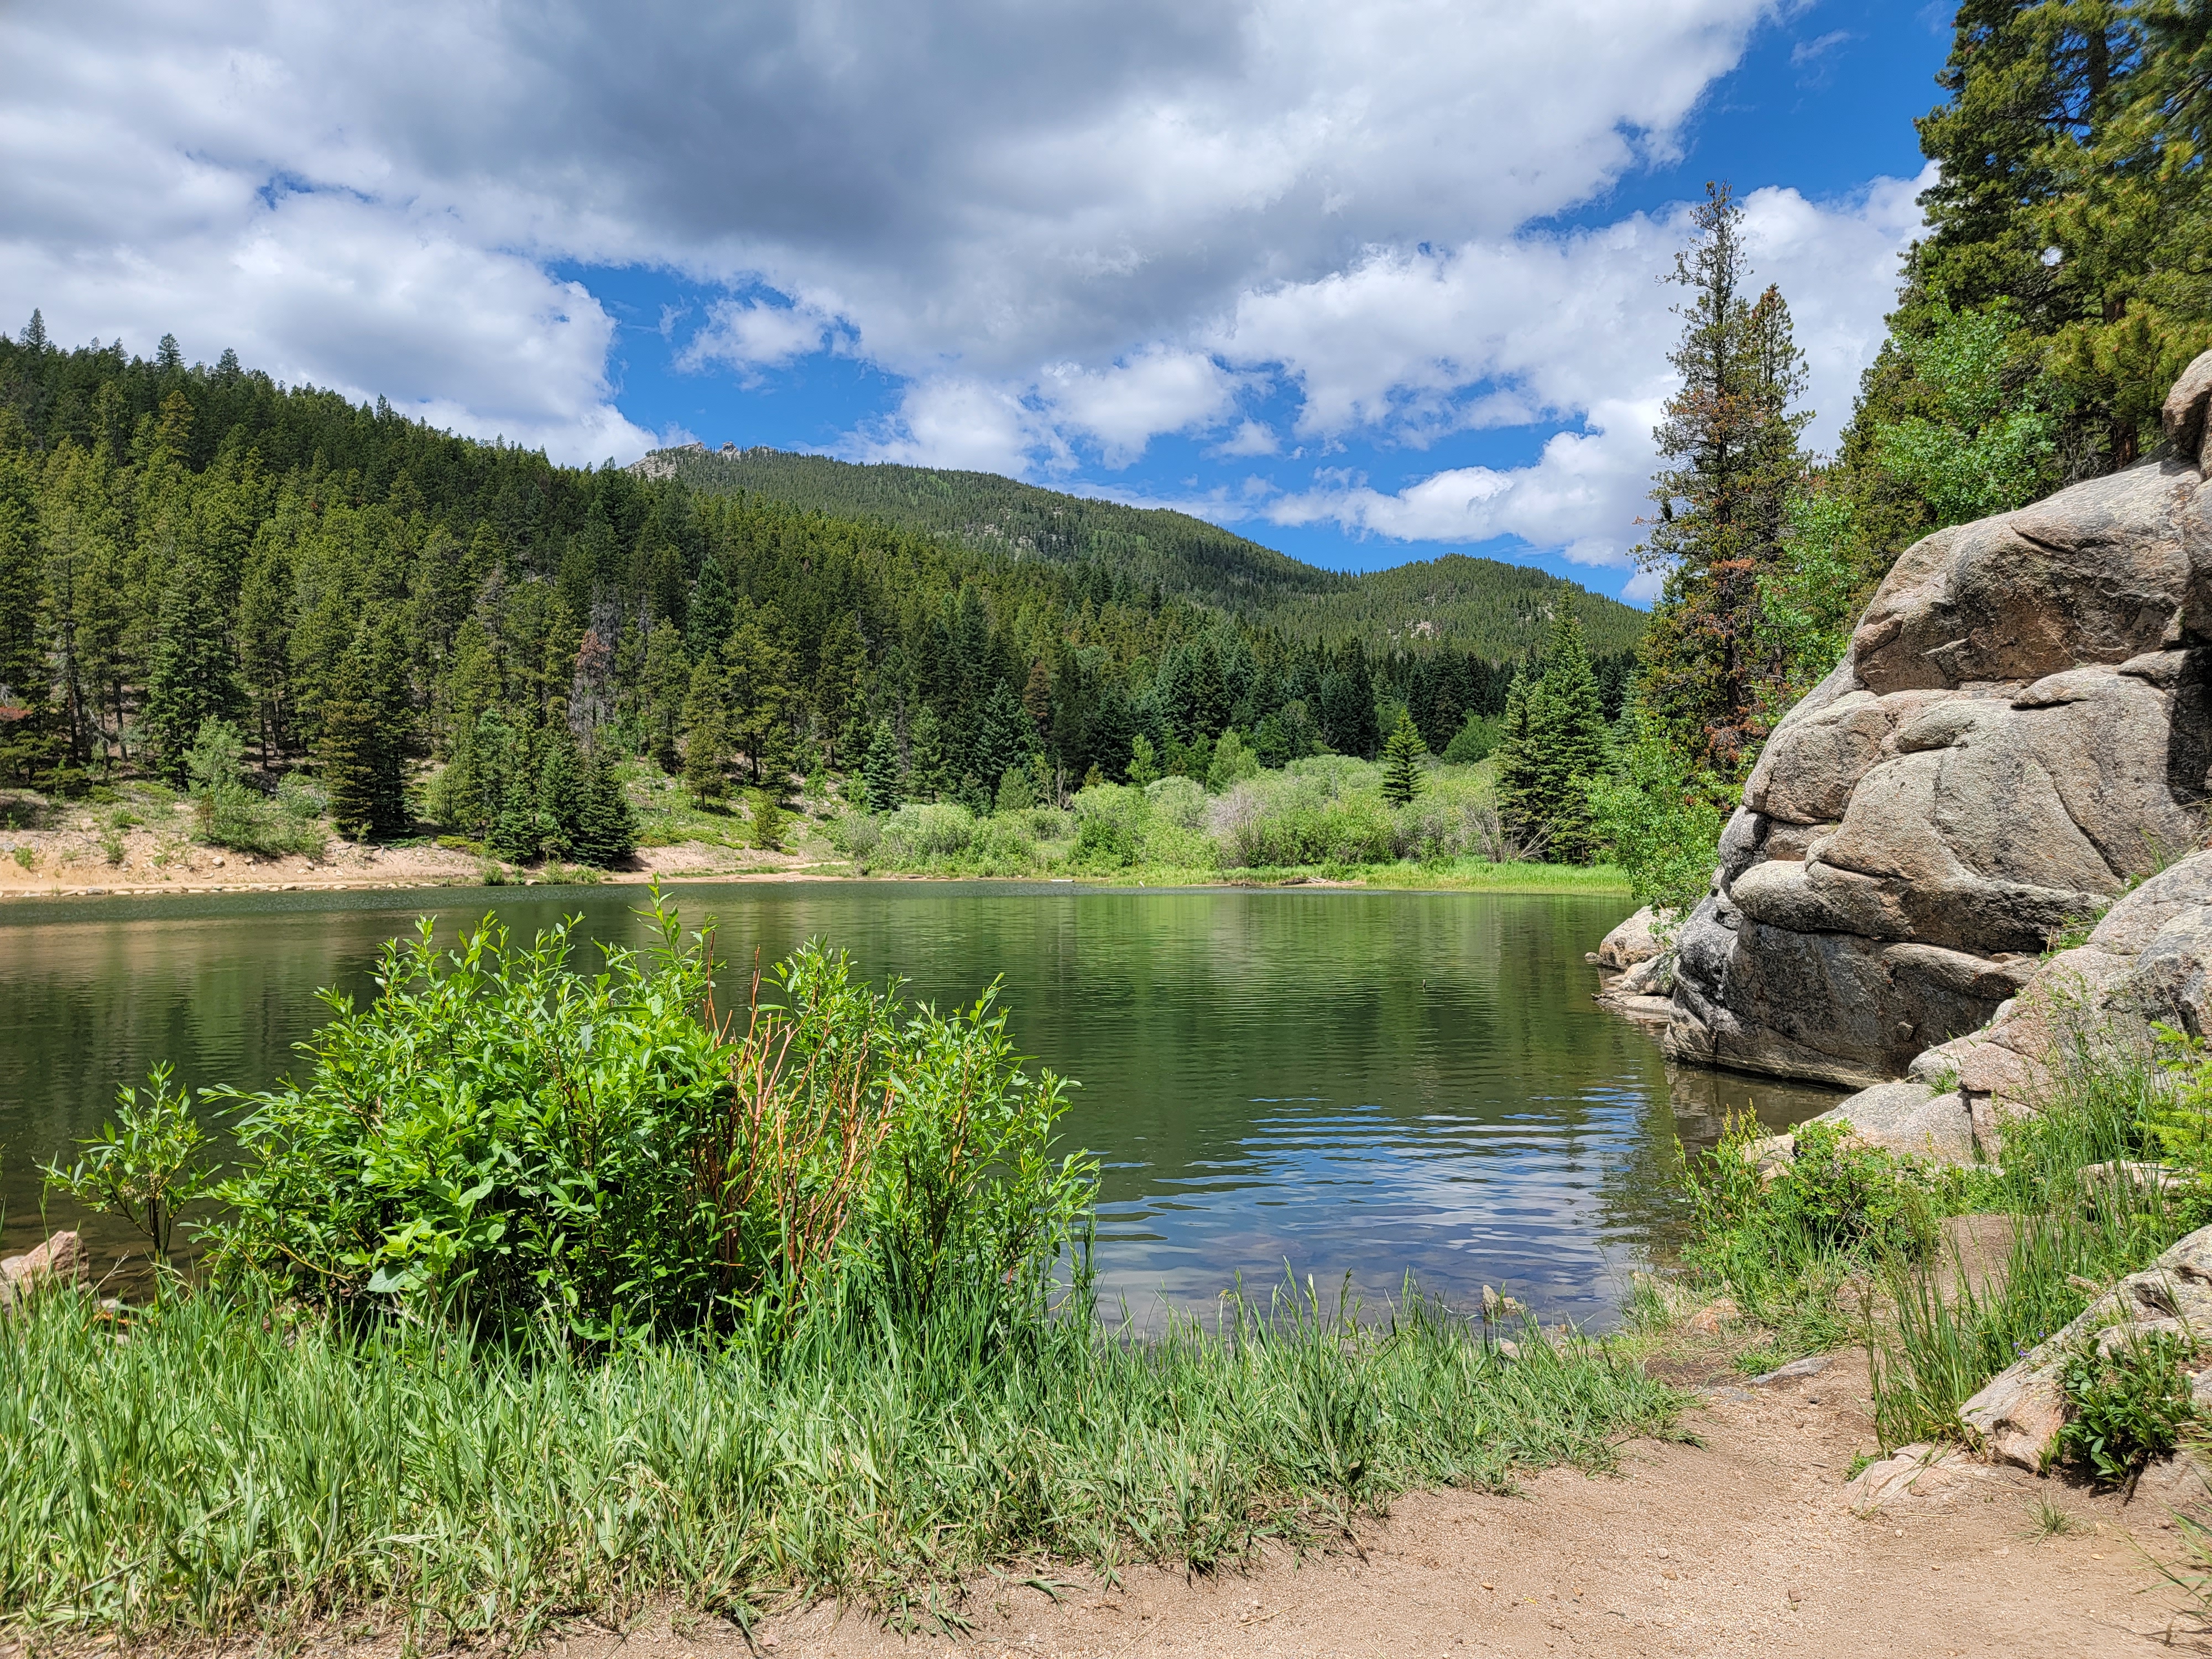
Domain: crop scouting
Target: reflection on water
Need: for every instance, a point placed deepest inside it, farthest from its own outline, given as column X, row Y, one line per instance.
column 1328, row 1082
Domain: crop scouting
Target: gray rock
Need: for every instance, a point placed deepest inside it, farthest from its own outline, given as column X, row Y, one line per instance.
column 2020, row 731
column 1811, row 1365
column 59, row 1261
column 1909, row 1119
column 1634, row 941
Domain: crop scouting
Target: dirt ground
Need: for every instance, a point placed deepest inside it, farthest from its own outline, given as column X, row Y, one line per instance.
column 1745, row 1544
column 70, row 863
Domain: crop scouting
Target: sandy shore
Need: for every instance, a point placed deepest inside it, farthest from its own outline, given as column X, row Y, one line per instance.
column 74, row 864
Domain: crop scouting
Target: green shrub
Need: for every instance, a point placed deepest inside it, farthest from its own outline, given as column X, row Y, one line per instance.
column 229, row 813
column 1476, row 741
column 921, row 832
column 498, row 1137
column 2131, row 1403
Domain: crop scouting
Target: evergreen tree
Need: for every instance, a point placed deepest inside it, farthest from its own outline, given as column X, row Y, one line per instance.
column 757, row 694
column 710, row 611
column 928, row 772
column 1004, row 737
column 562, row 786
column 1518, row 805
column 189, row 677
column 879, row 769
column 1730, row 439
column 1567, row 738
column 351, row 746
column 606, row 829
column 1402, row 778
column 706, row 745
column 667, row 678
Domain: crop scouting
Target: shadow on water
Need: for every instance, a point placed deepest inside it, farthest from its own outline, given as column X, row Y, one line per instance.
column 1321, row 1082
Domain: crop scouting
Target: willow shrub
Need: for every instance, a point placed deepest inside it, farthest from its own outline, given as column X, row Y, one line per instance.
column 504, row 1140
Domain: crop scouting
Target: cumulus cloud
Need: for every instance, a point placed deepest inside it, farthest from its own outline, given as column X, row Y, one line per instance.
column 1549, row 329
column 755, row 334
column 1069, row 229
column 976, row 188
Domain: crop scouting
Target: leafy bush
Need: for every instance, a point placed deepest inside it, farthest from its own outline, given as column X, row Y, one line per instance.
column 148, row 1160
column 1177, row 801
column 1476, row 741
column 497, row 1137
column 919, row 832
column 856, row 835
column 230, row 814
column 2131, row 1403
column 1658, row 821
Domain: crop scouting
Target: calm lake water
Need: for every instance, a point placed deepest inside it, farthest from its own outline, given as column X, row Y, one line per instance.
column 1321, row 1082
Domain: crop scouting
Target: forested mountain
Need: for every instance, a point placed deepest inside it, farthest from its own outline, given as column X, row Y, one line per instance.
column 1499, row 612
column 357, row 592
column 1149, row 547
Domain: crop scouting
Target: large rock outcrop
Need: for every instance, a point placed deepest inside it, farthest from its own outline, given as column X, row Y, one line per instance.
column 2022, row 727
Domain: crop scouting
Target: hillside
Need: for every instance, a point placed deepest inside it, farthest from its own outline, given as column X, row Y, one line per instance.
column 1495, row 610
column 1183, row 557
column 1489, row 607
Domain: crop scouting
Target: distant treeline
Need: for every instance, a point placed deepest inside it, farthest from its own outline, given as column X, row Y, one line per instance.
column 180, row 543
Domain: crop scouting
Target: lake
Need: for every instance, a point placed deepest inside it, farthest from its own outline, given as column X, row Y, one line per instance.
column 1323, row 1082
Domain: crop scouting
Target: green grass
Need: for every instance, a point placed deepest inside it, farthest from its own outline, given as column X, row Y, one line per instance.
column 1935, row 1351
column 235, row 1468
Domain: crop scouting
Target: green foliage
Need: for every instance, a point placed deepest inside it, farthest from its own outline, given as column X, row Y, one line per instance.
column 1476, row 741
column 768, row 822
column 1730, row 447
column 880, row 772
column 227, row 813
column 2068, row 1239
column 1402, row 756
column 602, row 1156
column 1554, row 745
column 240, row 1464
column 1657, row 823
column 146, row 1163
column 2131, row 1404
column 1978, row 443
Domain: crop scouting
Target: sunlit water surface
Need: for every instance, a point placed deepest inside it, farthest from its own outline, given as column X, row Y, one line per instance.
column 1319, row 1083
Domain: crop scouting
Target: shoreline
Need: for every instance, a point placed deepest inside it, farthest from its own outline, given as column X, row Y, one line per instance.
column 420, row 873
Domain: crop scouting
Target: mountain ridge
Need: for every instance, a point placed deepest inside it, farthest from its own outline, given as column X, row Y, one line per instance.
column 1499, row 609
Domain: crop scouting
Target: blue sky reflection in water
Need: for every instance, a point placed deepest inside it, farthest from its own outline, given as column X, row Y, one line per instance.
column 1321, row 1082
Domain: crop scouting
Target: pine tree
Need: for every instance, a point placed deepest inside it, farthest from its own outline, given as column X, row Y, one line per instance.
column 1518, row 802
column 1004, row 738
column 606, row 827
column 668, row 676
column 349, row 747
column 1730, row 439
column 706, row 745
column 190, row 677
column 562, row 792
column 1402, row 778
column 928, row 775
column 1567, row 740
column 708, row 618
column 879, row 769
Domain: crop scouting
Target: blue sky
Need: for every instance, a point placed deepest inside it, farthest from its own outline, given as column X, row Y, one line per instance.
column 1369, row 280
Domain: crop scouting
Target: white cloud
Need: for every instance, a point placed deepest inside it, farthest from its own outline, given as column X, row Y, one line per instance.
column 1808, row 51
column 754, row 334
column 976, row 188
column 1070, row 229
column 1569, row 329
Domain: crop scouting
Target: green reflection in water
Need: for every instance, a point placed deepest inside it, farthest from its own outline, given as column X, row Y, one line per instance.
column 1342, row 1082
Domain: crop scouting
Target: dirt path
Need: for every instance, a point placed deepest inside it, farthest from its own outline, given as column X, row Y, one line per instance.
column 1746, row 1545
